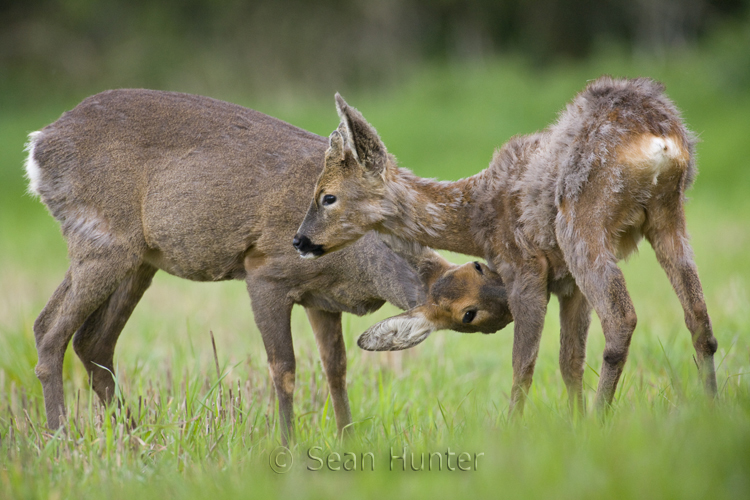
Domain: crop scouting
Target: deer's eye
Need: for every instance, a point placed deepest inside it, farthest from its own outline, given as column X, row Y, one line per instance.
column 469, row 316
column 478, row 268
column 328, row 199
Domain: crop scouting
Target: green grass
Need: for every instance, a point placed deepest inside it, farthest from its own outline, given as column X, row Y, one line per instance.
column 197, row 438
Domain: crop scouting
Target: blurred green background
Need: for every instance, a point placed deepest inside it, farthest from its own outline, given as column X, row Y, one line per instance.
column 445, row 82
column 231, row 47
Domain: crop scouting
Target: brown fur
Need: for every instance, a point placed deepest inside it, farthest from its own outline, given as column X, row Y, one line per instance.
column 462, row 298
column 142, row 180
column 553, row 213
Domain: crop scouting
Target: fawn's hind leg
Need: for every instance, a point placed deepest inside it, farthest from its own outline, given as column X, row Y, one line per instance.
column 95, row 340
column 604, row 286
column 87, row 283
column 330, row 340
column 593, row 264
column 575, row 318
column 668, row 237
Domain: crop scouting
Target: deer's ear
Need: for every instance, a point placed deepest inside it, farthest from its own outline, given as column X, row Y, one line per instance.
column 397, row 333
column 368, row 149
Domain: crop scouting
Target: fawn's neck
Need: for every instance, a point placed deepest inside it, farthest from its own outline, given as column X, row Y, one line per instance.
column 432, row 213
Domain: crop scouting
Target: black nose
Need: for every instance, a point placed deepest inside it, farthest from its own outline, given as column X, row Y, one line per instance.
column 306, row 247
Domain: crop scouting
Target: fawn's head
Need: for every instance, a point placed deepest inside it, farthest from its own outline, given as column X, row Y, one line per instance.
column 468, row 298
column 349, row 191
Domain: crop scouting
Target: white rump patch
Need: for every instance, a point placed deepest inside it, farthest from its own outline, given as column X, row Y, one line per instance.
column 396, row 333
column 654, row 154
column 33, row 173
column 662, row 151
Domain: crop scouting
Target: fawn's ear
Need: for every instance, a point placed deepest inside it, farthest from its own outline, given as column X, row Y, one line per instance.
column 335, row 145
column 344, row 132
column 431, row 267
column 368, row 149
column 397, row 333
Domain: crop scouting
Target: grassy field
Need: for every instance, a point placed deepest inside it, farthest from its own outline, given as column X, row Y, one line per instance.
column 198, row 437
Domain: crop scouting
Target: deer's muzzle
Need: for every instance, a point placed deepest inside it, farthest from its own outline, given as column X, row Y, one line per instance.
column 306, row 248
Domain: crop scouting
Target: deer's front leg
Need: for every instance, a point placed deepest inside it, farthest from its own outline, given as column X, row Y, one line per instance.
column 527, row 298
column 330, row 340
column 272, row 312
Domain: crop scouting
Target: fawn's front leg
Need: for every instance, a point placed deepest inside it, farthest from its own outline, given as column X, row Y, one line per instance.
column 575, row 318
column 527, row 297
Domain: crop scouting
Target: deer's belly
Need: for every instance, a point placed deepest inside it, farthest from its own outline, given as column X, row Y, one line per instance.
column 202, row 265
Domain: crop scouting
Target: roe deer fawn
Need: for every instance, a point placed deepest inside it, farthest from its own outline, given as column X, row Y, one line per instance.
column 144, row 180
column 553, row 213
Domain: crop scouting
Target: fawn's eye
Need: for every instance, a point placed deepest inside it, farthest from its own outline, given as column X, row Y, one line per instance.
column 328, row 199
column 469, row 316
column 478, row 268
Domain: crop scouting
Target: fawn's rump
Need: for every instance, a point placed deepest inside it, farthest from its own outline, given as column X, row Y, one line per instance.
column 654, row 155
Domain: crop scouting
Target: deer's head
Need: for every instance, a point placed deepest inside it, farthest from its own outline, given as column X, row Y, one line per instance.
column 348, row 195
column 468, row 298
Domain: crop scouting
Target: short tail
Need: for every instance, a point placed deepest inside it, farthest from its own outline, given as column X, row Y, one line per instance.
column 33, row 173
column 663, row 150
column 655, row 154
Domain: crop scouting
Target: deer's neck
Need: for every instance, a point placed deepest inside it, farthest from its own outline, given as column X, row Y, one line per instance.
column 432, row 213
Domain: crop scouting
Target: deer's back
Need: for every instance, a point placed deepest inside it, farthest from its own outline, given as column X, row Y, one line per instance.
column 204, row 190
column 194, row 180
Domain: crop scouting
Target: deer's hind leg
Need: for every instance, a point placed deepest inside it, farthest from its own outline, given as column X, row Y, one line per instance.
column 575, row 319
column 93, row 275
column 668, row 236
column 330, row 340
column 95, row 340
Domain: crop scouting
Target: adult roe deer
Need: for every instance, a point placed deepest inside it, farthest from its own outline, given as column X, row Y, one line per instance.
column 553, row 213
column 144, row 180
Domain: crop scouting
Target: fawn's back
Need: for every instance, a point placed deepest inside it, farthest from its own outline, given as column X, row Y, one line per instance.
column 618, row 153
